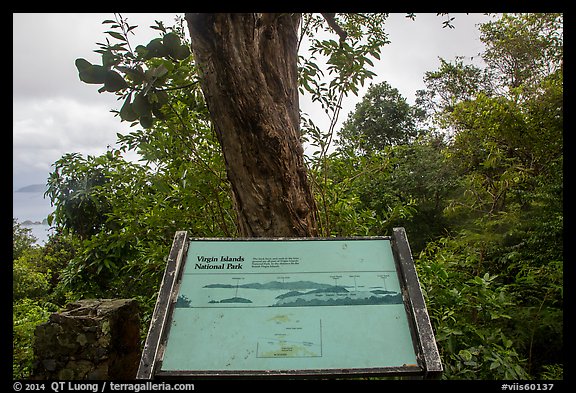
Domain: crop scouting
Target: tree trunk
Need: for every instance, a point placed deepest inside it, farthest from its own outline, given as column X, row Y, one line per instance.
column 248, row 69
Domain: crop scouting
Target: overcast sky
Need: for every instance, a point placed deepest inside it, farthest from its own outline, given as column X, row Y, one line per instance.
column 54, row 113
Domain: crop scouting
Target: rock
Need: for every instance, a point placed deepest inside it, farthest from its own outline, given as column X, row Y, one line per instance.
column 89, row 339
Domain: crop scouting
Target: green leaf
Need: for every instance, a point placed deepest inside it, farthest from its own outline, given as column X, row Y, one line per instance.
column 109, row 59
column 114, row 81
column 157, row 112
column 465, row 354
column 127, row 112
column 171, row 42
column 146, row 121
column 141, row 51
column 181, row 53
column 82, row 64
column 141, row 105
column 155, row 49
column 135, row 74
column 116, row 35
column 94, row 74
column 162, row 186
column 161, row 97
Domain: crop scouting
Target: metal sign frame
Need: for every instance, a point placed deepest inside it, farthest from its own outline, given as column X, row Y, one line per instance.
column 427, row 355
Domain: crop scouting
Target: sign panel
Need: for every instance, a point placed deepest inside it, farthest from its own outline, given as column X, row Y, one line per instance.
column 284, row 307
column 265, row 305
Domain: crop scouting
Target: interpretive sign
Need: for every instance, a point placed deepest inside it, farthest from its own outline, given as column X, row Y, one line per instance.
column 286, row 307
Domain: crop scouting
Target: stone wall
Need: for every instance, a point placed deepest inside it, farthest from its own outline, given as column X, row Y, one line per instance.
column 91, row 339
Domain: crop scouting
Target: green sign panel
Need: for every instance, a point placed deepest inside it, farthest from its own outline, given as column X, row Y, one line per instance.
column 283, row 307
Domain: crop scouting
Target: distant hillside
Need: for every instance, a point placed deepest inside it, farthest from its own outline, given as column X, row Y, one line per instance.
column 33, row 188
column 277, row 285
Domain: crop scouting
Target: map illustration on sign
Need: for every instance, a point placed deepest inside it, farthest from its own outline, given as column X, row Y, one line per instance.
column 299, row 293
column 290, row 336
column 265, row 305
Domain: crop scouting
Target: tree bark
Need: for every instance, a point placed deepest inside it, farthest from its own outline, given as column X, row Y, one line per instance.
column 248, row 73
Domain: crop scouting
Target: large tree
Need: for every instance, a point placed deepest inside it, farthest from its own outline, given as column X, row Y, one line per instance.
column 382, row 118
column 250, row 74
column 248, row 66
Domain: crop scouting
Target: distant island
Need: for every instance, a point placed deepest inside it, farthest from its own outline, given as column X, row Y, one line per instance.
column 29, row 222
column 337, row 296
column 309, row 293
column 32, row 188
column 232, row 300
column 275, row 285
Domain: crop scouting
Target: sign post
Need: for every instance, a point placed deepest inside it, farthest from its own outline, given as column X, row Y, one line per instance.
column 290, row 307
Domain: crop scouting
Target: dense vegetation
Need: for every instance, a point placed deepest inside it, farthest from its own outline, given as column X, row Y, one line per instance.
column 473, row 171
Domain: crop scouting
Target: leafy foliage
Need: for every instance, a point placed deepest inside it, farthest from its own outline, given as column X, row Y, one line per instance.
column 522, row 49
column 507, row 223
column 27, row 281
column 470, row 313
column 143, row 76
column 482, row 205
column 22, row 239
column 382, row 118
column 451, row 84
column 30, row 299
column 130, row 211
column 26, row 315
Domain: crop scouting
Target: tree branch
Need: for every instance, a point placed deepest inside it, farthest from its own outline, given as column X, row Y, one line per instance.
column 331, row 19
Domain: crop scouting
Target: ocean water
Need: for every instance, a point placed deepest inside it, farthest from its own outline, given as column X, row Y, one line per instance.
column 32, row 206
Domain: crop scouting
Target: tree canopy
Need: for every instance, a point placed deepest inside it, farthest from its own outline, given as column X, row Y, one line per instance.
column 383, row 118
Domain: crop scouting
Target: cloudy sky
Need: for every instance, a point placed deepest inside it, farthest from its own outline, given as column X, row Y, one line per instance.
column 54, row 113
